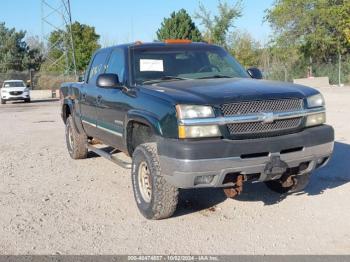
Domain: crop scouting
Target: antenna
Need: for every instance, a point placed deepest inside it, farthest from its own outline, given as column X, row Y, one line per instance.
column 56, row 16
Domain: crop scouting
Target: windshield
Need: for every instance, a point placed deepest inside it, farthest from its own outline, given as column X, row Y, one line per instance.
column 171, row 63
column 13, row 84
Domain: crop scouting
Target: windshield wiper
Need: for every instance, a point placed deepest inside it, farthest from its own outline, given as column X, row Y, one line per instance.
column 164, row 78
column 215, row 76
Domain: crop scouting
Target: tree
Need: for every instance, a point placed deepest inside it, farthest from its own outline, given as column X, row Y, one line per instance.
column 179, row 26
column 85, row 41
column 245, row 49
column 286, row 60
column 35, row 54
column 319, row 28
column 13, row 49
column 217, row 27
column 16, row 53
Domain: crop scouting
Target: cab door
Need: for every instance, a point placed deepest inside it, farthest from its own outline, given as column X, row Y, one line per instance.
column 90, row 94
column 112, row 105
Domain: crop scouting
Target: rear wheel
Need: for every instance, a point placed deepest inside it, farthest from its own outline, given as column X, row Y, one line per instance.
column 155, row 197
column 290, row 185
column 76, row 142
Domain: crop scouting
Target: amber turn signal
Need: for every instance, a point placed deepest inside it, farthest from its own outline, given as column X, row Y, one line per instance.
column 177, row 41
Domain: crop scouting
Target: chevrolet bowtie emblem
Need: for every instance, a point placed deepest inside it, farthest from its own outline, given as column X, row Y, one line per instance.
column 268, row 117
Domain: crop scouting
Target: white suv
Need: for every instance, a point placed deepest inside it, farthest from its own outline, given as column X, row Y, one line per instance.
column 14, row 90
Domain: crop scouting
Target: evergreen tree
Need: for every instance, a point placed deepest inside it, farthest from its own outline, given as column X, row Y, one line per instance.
column 179, row 26
column 13, row 49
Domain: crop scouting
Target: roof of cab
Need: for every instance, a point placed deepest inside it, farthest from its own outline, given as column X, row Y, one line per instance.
column 152, row 44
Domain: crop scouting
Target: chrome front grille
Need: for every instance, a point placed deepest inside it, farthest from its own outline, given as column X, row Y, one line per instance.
column 262, row 129
column 262, row 106
column 259, row 127
column 16, row 93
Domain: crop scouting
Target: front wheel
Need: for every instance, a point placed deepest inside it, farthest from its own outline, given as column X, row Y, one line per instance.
column 76, row 142
column 155, row 197
column 297, row 183
column 3, row 102
column 27, row 100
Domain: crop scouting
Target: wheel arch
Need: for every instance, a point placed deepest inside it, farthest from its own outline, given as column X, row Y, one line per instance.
column 147, row 126
column 68, row 110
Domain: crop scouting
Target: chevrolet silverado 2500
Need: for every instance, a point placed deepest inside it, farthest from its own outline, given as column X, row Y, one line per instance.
column 190, row 116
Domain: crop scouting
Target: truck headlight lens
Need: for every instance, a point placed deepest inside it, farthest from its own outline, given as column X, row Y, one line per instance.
column 315, row 101
column 3, row 90
column 199, row 131
column 316, row 119
column 26, row 90
column 194, row 111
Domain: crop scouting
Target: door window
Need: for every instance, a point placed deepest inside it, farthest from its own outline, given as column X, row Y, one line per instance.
column 98, row 66
column 116, row 64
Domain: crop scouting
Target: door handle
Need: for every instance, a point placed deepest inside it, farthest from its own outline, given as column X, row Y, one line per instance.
column 98, row 99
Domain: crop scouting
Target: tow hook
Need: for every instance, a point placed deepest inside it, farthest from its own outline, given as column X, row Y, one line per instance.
column 287, row 180
column 232, row 192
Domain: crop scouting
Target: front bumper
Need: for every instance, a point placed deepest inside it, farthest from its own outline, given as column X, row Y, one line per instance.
column 9, row 97
column 182, row 161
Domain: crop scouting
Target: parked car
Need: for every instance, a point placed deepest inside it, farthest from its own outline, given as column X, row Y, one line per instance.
column 190, row 116
column 14, row 90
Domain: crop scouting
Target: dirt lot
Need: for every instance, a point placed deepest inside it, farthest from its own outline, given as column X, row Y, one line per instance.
column 51, row 204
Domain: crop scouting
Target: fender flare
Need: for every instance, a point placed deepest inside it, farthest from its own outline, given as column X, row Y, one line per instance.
column 76, row 119
column 145, row 118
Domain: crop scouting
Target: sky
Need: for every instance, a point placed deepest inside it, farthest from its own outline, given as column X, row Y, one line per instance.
column 118, row 21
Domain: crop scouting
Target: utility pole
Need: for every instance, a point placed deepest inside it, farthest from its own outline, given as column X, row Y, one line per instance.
column 56, row 16
column 339, row 69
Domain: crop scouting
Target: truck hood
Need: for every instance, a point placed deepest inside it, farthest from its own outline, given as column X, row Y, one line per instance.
column 220, row 91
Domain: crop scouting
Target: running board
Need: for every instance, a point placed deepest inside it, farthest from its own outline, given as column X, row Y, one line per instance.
column 110, row 157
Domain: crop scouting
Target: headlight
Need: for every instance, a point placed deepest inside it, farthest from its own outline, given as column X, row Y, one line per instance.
column 315, row 119
column 199, row 131
column 4, row 90
column 26, row 90
column 315, row 101
column 194, row 111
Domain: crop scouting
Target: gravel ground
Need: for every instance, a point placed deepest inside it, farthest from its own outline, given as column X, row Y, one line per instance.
column 51, row 204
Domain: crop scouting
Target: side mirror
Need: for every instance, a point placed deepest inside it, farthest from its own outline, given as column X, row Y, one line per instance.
column 108, row 81
column 255, row 73
column 81, row 78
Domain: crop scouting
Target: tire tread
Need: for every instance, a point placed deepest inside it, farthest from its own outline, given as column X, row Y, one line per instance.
column 165, row 195
column 79, row 150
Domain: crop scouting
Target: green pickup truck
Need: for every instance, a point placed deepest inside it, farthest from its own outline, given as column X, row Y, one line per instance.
column 190, row 116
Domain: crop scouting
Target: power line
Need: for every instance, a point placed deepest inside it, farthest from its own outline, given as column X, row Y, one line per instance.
column 56, row 16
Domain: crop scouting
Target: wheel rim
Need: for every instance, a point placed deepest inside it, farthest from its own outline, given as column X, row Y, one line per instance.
column 145, row 185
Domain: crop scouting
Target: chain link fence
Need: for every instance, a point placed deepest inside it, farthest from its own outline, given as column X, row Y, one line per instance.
column 336, row 74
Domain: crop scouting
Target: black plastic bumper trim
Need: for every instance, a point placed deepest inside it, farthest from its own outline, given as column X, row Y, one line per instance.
column 222, row 148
